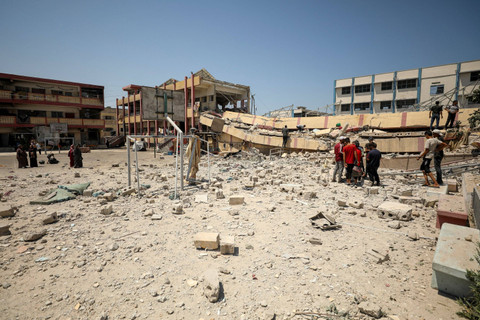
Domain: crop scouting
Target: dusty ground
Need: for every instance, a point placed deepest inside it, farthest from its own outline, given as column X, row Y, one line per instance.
column 277, row 270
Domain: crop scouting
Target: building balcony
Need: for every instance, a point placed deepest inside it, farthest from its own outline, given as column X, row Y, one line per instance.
column 38, row 98
column 12, row 121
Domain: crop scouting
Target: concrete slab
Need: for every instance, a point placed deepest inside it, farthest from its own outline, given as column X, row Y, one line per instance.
column 453, row 256
column 436, row 192
column 469, row 181
column 476, row 206
column 451, row 209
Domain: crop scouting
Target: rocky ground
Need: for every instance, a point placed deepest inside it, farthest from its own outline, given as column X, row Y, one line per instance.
column 139, row 261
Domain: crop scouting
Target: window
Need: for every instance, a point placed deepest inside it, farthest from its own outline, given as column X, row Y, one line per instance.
column 69, row 94
column 406, row 84
column 345, row 107
column 403, row 104
column 69, row 115
column 387, row 86
column 436, row 89
column 109, row 118
column 211, row 98
column 474, row 76
column 361, row 106
column 57, row 92
column 362, row 88
column 56, row 114
column 22, row 89
column 385, row 105
column 346, row 90
column 37, row 90
column 204, row 99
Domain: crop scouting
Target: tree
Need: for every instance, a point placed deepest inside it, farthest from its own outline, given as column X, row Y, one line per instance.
column 471, row 305
column 475, row 96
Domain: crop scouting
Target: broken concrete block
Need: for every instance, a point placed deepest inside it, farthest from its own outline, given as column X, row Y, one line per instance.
column 219, row 194
column 429, row 201
column 34, row 236
column 373, row 190
column 5, row 229
column 87, row 193
column 395, row 210
column 201, row 198
column 342, row 203
column 356, row 204
column 106, row 210
column 51, row 218
column 177, row 208
column 128, row 191
column 452, row 185
column 249, row 185
column 206, row 240
column 308, row 195
column 409, row 200
column 6, row 211
column 227, row 245
column 211, row 285
column 108, row 196
column 370, row 309
column 156, row 217
column 394, row 225
column 406, row 193
column 236, row 200
column 148, row 213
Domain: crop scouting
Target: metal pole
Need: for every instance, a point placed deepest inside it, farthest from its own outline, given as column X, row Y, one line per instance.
column 176, row 164
column 208, row 158
column 136, row 168
column 128, row 161
column 181, row 160
column 185, row 90
column 193, row 100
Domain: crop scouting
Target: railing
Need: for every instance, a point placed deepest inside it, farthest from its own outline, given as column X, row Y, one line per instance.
column 7, row 120
column 43, row 121
column 27, row 96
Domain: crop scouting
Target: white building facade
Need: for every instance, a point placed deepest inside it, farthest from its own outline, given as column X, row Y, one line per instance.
column 407, row 90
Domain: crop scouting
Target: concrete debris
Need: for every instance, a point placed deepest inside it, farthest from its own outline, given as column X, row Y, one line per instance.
column 6, row 211
column 370, row 309
column 51, row 218
column 227, row 245
column 5, row 229
column 236, row 200
column 395, row 210
column 211, row 285
column 106, row 210
column 34, row 236
column 178, row 208
column 207, row 240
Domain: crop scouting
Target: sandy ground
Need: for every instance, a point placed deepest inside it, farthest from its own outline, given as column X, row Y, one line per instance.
column 127, row 266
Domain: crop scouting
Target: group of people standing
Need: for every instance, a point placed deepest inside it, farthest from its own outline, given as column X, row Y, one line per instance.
column 436, row 113
column 350, row 156
column 75, row 155
column 32, row 155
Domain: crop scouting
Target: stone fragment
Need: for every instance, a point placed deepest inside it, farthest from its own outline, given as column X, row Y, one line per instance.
column 236, row 200
column 6, row 211
column 148, row 213
column 395, row 210
column 451, row 185
column 87, row 193
column 34, row 236
column 370, row 309
column 308, row 195
column 211, row 286
column 406, row 193
column 5, row 229
column 192, row 283
column 108, row 196
column 373, row 190
column 177, row 208
column 51, row 218
column 342, row 203
column 113, row 247
column 219, row 194
column 156, row 217
column 356, row 204
column 128, row 191
column 430, row 201
column 106, row 210
column 206, row 240
column 394, row 225
column 77, row 175
column 227, row 245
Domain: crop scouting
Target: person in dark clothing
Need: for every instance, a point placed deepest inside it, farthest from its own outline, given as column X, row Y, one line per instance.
column 21, row 157
column 350, row 158
column 285, row 136
column 32, row 153
column 452, row 113
column 373, row 163
column 77, row 157
column 70, row 155
column 435, row 114
column 438, row 155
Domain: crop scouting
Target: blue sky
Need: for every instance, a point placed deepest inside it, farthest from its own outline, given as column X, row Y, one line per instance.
column 288, row 52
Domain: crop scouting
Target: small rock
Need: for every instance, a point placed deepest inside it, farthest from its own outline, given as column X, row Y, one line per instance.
column 192, row 283
column 51, row 218
column 113, row 247
column 34, row 236
column 5, row 229
column 394, row 225
column 370, row 309
column 106, row 210
column 156, row 217
column 211, row 287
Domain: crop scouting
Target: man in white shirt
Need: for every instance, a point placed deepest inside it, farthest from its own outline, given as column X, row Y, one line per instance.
column 452, row 113
column 430, row 147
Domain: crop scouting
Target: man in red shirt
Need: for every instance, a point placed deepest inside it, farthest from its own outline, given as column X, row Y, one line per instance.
column 338, row 160
column 350, row 157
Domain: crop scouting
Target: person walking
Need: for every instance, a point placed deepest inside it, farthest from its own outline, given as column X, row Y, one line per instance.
column 285, row 136
column 358, row 174
column 438, row 155
column 452, row 113
column 427, row 155
column 435, row 114
column 350, row 157
column 338, row 171
column 77, row 157
column 373, row 163
column 21, row 157
column 32, row 153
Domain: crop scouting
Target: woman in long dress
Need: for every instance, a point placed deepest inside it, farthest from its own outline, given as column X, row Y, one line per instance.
column 32, row 152
column 70, row 155
column 21, row 157
column 77, row 157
